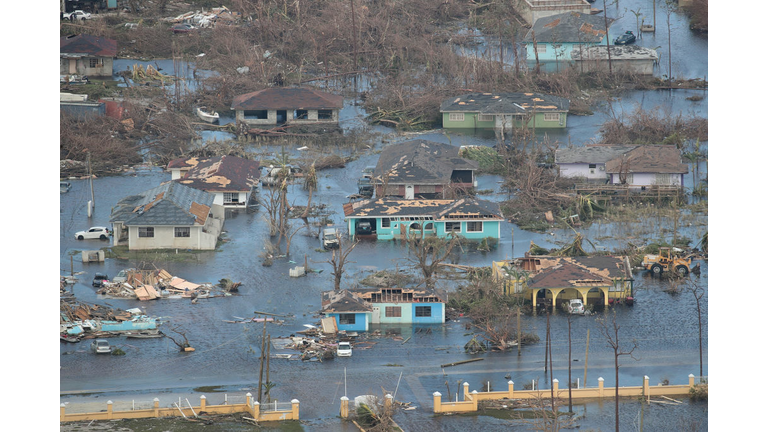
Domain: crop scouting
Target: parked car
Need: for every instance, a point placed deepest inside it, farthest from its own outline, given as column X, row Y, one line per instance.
column 330, row 238
column 122, row 276
column 625, row 39
column 93, row 233
column 364, row 228
column 101, row 346
column 575, row 306
column 344, row 350
column 99, row 279
column 183, row 28
column 77, row 15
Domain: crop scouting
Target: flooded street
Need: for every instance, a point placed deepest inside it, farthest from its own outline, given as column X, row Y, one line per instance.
column 664, row 326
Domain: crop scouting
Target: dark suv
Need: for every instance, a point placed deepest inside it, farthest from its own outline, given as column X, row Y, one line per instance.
column 99, row 279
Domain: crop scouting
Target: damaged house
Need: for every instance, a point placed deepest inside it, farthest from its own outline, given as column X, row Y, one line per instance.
column 595, row 280
column 232, row 180
column 532, row 10
column 588, row 162
column 286, row 105
column 357, row 309
column 388, row 219
column 421, row 169
column 504, row 111
column 169, row 216
column 554, row 38
column 86, row 55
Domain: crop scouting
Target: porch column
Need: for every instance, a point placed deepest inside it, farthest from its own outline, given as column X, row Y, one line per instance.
column 533, row 299
column 555, row 292
column 605, row 296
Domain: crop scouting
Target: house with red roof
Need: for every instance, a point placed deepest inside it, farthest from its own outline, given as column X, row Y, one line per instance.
column 86, row 55
column 231, row 180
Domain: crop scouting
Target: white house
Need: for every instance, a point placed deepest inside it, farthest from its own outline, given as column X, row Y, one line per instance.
column 588, row 162
column 232, row 180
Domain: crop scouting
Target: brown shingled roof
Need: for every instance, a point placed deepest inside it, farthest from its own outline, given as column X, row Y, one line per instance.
column 649, row 159
column 87, row 44
column 287, row 98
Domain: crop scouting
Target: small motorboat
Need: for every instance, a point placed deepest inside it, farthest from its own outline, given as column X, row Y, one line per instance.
column 212, row 117
column 149, row 334
column 625, row 39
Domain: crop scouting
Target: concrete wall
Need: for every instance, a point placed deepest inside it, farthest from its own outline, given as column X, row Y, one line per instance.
column 583, row 170
column 81, row 66
column 637, row 66
column 531, row 10
column 200, row 238
column 471, row 399
column 312, row 118
column 648, row 179
column 250, row 407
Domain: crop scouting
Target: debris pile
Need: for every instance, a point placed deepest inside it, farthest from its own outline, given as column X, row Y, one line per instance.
column 79, row 320
column 206, row 19
column 154, row 284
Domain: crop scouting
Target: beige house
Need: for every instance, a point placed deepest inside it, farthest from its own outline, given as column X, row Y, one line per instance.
column 170, row 216
column 287, row 105
column 86, row 55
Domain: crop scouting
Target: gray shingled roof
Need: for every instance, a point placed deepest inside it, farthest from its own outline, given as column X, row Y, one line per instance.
column 569, row 27
column 172, row 208
column 505, row 103
column 596, row 153
column 421, row 162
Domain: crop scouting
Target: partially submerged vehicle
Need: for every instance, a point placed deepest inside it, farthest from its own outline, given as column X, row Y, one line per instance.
column 625, row 39
column 330, row 238
column 344, row 349
column 575, row 307
column 667, row 261
column 365, row 187
column 93, row 233
column 64, row 186
column 99, row 279
column 101, row 346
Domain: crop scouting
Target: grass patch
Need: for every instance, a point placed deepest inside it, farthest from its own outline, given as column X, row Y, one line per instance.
column 209, row 389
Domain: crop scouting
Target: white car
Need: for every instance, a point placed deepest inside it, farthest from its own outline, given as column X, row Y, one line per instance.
column 344, row 350
column 101, row 346
column 77, row 15
column 93, row 233
column 575, row 306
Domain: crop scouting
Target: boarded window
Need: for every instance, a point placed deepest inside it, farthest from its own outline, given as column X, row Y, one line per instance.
column 181, row 232
column 393, row 312
column 456, row 116
column 551, row 116
column 427, row 188
column 146, row 231
column 474, row 226
column 301, row 114
column 423, row 311
column 346, row 319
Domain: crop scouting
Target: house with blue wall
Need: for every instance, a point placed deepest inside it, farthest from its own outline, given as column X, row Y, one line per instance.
column 355, row 309
column 393, row 219
column 555, row 37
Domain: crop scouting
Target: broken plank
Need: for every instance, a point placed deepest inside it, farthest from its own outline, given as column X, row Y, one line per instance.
column 461, row 362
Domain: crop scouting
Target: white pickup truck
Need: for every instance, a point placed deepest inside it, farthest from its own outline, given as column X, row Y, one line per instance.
column 76, row 15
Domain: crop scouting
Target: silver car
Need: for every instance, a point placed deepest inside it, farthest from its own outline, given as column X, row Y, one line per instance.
column 101, row 346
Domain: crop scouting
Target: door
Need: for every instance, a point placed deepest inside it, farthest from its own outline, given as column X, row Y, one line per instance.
column 408, row 191
column 376, row 316
column 72, row 66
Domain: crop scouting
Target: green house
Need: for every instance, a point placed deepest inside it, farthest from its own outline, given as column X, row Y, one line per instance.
column 505, row 111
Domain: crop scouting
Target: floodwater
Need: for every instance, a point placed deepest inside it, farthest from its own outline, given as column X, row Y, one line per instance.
column 663, row 327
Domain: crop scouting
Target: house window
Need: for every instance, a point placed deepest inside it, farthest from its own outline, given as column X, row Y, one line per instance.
column 95, row 63
column 541, row 48
column 456, row 116
column 663, row 179
column 146, row 232
column 429, row 226
column 423, row 311
column 301, row 114
column 255, row 114
column 386, row 222
column 392, row 312
column 551, row 116
column 324, row 114
column 453, row 227
column 486, row 117
column 415, row 226
column 592, row 166
column 231, row 198
column 346, row 319
column 181, row 231
column 474, row 227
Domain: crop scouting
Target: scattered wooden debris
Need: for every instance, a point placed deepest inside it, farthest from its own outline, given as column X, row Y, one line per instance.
column 461, row 362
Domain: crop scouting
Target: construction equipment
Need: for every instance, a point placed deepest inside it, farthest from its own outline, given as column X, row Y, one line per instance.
column 666, row 261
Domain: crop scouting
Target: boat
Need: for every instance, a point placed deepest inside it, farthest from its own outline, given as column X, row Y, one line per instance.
column 144, row 334
column 207, row 117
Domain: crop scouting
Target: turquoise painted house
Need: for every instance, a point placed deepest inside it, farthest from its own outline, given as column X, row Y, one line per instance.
column 505, row 111
column 555, row 37
column 351, row 312
column 367, row 306
column 393, row 219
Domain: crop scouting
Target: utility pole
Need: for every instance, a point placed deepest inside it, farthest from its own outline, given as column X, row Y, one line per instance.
column 586, row 359
column 261, row 368
column 607, row 39
column 519, row 332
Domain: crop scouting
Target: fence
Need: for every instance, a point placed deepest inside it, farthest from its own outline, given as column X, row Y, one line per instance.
column 470, row 402
column 134, row 410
